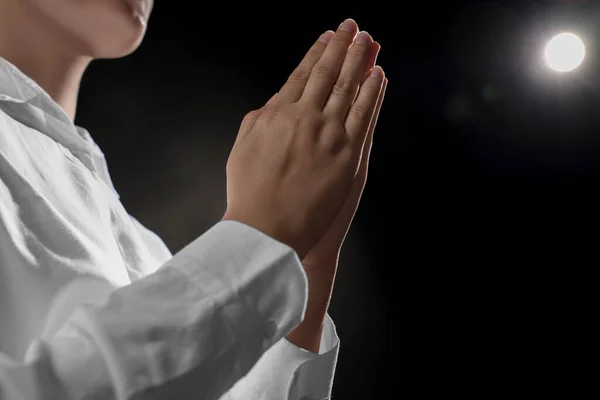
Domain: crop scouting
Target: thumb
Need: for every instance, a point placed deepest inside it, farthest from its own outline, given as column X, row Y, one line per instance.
column 248, row 122
column 250, row 118
column 271, row 99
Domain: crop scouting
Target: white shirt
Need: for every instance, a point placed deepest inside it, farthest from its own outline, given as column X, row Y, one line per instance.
column 94, row 306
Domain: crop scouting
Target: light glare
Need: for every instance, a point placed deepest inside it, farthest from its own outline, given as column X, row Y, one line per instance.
column 565, row 52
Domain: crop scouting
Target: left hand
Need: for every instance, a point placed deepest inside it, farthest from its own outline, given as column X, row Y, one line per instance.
column 320, row 263
column 326, row 251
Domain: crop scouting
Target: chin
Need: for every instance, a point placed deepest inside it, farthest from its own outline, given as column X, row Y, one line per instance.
column 127, row 31
column 94, row 29
column 119, row 43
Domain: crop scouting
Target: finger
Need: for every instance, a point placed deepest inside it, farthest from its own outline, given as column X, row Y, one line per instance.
column 360, row 180
column 250, row 119
column 293, row 88
column 361, row 113
column 364, row 162
column 325, row 72
column 344, row 91
column 247, row 123
column 371, row 61
column 369, row 64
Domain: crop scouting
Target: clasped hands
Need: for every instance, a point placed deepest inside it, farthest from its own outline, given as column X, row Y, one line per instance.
column 299, row 164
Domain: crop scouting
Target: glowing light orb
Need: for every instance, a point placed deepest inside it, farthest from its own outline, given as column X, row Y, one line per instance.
column 565, row 52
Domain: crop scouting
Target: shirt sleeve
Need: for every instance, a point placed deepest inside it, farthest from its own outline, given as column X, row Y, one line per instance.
column 285, row 371
column 190, row 330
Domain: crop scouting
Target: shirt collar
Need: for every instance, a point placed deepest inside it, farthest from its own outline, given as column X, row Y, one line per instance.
column 31, row 104
column 16, row 87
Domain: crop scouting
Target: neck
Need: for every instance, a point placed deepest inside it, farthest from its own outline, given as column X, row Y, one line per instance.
column 28, row 44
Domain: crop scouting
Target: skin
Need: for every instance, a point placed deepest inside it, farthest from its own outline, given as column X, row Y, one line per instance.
column 54, row 41
column 326, row 154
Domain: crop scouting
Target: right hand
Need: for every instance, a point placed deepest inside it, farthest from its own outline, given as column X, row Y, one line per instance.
column 295, row 159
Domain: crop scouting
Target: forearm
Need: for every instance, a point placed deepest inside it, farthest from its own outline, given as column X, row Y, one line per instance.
column 208, row 314
column 321, row 278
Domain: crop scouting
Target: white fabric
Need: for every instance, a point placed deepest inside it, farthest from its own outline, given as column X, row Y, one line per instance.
column 94, row 306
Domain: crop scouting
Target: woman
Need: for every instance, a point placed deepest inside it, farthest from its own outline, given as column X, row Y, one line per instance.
column 93, row 305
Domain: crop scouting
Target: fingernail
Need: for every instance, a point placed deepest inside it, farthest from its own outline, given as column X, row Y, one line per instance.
column 377, row 52
column 326, row 37
column 377, row 72
column 362, row 38
column 348, row 25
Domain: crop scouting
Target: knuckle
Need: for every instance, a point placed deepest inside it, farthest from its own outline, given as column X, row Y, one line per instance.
column 334, row 138
column 299, row 75
column 271, row 115
column 252, row 115
column 295, row 119
column 343, row 87
column 309, row 109
column 311, row 118
column 360, row 112
column 342, row 39
column 314, row 53
column 289, row 116
column 357, row 51
column 324, row 71
column 302, row 119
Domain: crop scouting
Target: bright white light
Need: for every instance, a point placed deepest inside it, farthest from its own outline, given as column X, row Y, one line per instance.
column 565, row 52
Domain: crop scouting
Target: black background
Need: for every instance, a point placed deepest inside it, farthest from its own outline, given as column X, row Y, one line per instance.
column 469, row 268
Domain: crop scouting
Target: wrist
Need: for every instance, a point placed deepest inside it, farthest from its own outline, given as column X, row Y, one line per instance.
column 278, row 232
column 307, row 335
column 320, row 272
column 321, row 279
